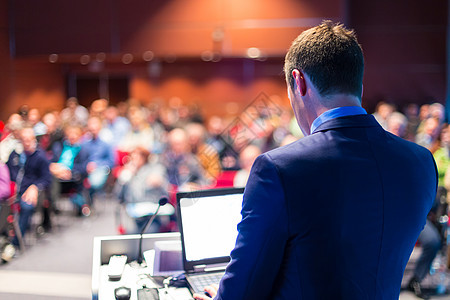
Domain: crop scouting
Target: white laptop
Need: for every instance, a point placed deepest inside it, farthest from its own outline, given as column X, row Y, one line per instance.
column 208, row 225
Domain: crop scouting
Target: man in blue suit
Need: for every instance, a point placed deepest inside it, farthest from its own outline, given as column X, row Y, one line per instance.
column 336, row 214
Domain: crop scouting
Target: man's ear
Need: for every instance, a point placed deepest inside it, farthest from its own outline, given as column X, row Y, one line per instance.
column 300, row 81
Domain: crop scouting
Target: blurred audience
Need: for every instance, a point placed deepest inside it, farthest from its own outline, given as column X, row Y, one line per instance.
column 141, row 180
column 74, row 113
column 382, row 112
column 183, row 169
column 437, row 111
column 69, row 168
column 442, row 154
column 430, row 132
column 5, row 182
column 52, row 140
column 206, row 155
column 160, row 148
column 215, row 133
column 246, row 158
column 34, row 119
column 30, row 172
column 10, row 138
column 396, row 124
column 159, row 131
column 100, row 157
column 412, row 116
column 115, row 127
column 98, row 108
column 140, row 133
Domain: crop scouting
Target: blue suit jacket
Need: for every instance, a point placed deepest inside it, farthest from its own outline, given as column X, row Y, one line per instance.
column 334, row 215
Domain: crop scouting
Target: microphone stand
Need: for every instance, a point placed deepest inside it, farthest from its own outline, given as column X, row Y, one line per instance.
column 163, row 201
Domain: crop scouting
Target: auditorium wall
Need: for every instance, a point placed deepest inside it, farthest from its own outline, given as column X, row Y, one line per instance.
column 199, row 49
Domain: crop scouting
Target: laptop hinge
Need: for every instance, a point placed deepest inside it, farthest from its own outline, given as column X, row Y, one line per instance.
column 209, row 268
column 199, row 268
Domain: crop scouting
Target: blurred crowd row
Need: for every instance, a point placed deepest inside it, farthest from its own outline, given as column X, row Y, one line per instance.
column 424, row 125
column 142, row 153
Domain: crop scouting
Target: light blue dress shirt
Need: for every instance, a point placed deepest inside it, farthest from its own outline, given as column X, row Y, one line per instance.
column 68, row 154
column 338, row 112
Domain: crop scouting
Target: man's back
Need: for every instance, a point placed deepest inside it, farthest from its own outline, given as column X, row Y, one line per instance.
column 343, row 207
column 336, row 214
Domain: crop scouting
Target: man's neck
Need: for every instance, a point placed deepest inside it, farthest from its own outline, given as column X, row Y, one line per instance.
column 339, row 100
column 335, row 101
column 326, row 103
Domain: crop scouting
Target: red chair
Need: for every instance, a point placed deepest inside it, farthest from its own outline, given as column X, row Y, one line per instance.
column 121, row 158
column 225, row 179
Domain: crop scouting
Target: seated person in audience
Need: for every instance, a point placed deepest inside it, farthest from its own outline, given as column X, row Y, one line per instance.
column 5, row 182
column 429, row 134
column 396, row 124
column 51, row 141
column 206, row 155
column 142, row 181
column 30, row 171
column 220, row 139
column 424, row 114
column 140, row 133
column 115, row 127
column 437, row 111
column 412, row 115
column 10, row 138
column 246, row 159
column 215, row 131
column 431, row 241
column 100, row 160
column 382, row 113
column 74, row 113
column 442, row 154
column 183, row 168
column 23, row 112
column 98, row 108
column 34, row 119
column 7, row 250
column 69, row 168
column 54, row 135
column 159, row 131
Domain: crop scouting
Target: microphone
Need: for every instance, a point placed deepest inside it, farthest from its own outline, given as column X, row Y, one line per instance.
column 163, row 201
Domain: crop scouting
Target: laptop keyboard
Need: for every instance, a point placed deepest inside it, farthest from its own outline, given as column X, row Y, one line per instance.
column 198, row 282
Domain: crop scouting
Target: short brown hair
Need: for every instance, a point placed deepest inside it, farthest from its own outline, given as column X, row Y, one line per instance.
column 332, row 58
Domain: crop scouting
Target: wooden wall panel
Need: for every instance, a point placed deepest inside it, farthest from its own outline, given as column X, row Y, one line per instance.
column 404, row 44
column 181, row 27
column 48, row 26
column 213, row 86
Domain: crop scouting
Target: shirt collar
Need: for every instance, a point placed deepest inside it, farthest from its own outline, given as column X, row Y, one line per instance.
column 337, row 113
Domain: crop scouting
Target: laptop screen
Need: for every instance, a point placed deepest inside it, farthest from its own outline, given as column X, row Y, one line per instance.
column 208, row 224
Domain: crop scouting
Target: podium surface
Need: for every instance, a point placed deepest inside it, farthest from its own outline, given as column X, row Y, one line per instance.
column 134, row 276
